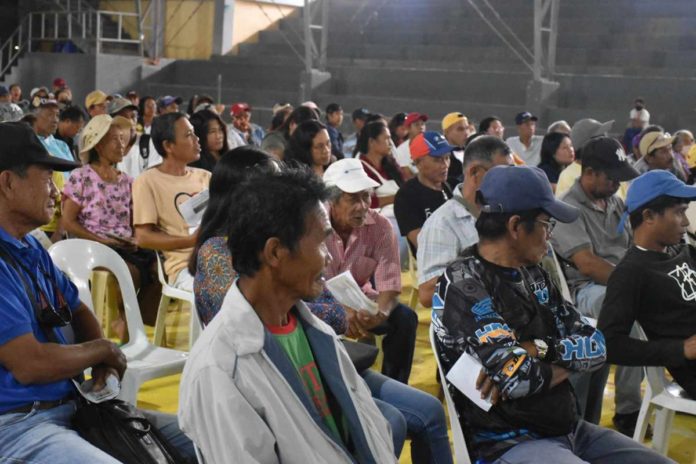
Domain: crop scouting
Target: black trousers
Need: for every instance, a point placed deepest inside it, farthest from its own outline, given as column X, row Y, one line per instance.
column 399, row 342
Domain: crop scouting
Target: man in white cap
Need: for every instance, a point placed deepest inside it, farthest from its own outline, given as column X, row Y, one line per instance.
column 363, row 242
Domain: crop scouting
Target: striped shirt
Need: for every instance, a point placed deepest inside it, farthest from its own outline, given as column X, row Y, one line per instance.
column 371, row 254
column 445, row 234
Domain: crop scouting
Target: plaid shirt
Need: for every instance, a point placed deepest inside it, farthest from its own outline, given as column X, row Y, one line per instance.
column 371, row 254
column 445, row 234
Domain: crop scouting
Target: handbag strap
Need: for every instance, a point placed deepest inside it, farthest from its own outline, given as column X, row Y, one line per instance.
column 382, row 180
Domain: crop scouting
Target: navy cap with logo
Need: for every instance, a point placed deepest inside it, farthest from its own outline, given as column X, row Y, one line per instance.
column 20, row 146
column 513, row 189
column 524, row 117
column 606, row 154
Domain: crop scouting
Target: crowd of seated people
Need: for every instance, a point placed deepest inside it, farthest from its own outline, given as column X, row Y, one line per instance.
column 273, row 377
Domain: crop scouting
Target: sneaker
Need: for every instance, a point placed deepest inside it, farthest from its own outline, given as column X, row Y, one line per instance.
column 626, row 424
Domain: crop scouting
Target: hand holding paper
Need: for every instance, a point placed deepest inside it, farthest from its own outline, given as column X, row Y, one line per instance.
column 347, row 292
column 463, row 375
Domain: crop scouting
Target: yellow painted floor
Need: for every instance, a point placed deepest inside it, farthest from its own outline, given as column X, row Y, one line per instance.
column 162, row 394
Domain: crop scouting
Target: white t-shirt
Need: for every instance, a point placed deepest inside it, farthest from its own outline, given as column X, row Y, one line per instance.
column 403, row 157
column 532, row 155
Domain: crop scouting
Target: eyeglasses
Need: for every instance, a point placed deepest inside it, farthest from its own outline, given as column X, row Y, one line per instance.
column 548, row 225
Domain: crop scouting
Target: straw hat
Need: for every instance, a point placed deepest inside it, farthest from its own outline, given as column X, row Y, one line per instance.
column 96, row 129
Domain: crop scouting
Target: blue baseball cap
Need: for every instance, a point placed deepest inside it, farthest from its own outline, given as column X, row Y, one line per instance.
column 651, row 185
column 429, row 143
column 512, row 189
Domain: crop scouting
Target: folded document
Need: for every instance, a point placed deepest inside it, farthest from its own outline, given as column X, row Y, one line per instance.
column 347, row 292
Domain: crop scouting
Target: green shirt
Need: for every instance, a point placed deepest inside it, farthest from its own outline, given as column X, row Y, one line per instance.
column 294, row 341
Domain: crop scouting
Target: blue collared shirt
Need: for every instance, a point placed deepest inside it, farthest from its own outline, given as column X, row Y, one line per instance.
column 17, row 314
column 59, row 149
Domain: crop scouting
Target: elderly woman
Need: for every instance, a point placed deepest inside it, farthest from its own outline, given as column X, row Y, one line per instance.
column 97, row 204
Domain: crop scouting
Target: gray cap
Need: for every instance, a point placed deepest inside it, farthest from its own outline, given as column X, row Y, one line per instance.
column 586, row 129
column 119, row 104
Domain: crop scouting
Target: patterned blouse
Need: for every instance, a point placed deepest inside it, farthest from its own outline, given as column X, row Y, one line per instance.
column 214, row 276
column 106, row 207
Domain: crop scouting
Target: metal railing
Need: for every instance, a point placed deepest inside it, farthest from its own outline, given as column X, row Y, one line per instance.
column 81, row 26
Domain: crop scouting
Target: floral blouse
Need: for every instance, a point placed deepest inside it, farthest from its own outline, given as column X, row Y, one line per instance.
column 106, row 207
column 214, row 276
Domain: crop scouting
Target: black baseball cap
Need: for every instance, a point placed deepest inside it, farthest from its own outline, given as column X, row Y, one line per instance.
column 513, row 189
column 606, row 154
column 524, row 117
column 361, row 113
column 20, row 146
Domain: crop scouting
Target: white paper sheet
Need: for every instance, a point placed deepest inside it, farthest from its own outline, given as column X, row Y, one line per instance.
column 347, row 292
column 463, row 375
column 109, row 392
column 192, row 209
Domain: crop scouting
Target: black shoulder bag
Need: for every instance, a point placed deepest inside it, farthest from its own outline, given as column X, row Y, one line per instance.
column 115, row 427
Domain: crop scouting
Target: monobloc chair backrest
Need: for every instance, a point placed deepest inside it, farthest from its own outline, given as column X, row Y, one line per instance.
column 79, row 257
column 461, row 452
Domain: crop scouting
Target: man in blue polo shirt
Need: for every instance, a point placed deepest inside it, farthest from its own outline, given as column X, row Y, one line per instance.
column 36, row 300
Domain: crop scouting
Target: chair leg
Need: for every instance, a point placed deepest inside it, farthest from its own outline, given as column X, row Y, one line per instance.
column 98, row 290
column 643, row 416
column 160, row 323
column 663, row 426
column 194, row 326
column 414, row 298
column 112, row 303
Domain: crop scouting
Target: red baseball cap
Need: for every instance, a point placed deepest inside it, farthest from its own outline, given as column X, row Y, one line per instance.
column 59, row 82
column 413, row 117
column 239, row 108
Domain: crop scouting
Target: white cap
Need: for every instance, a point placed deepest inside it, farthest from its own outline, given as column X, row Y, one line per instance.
column 349, row 176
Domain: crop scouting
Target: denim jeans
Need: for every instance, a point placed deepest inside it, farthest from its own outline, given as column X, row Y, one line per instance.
column 425, row 418
column 46, row 436
column 396, row 421
column 399, row 342
column 627, row 397
column 589, row 443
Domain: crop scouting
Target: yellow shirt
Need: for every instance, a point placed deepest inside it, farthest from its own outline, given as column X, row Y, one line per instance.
column 59, row 180
column 156, row 200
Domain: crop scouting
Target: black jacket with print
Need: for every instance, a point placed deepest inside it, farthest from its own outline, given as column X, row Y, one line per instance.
column 488, row 310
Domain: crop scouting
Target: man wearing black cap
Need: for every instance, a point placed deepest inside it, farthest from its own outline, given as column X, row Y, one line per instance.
column 37, row 363
column 499, row 306
column 526, row 144
column 591, row 247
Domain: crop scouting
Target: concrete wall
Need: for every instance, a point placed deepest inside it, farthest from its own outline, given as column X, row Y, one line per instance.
column 82, row 72
column 188, row 32
column 39, row 69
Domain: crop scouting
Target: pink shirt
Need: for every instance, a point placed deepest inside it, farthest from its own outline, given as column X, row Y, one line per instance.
column 371, row 250
column 105, row 207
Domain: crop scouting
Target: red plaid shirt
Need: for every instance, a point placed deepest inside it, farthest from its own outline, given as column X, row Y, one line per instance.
column 371, row 251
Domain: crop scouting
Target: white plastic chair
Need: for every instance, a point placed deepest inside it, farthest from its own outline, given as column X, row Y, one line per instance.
column 199, row 454
column 461, row 452
column 77, row 258
column 169, row 294
column 664, row 399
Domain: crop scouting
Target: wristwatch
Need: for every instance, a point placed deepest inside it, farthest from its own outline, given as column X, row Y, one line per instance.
column 542, row 348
